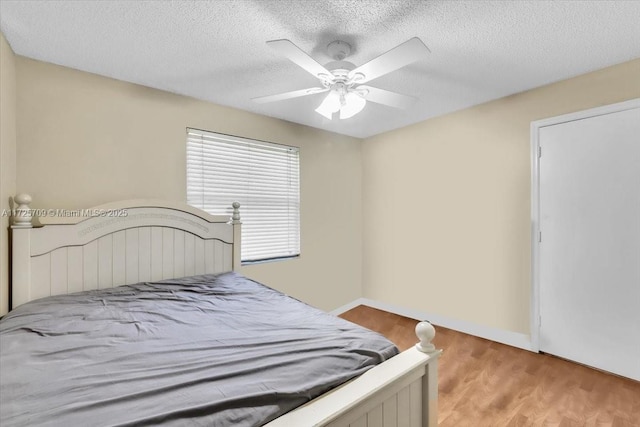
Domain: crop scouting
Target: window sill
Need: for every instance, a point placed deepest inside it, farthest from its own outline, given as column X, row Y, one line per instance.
column 268, row 260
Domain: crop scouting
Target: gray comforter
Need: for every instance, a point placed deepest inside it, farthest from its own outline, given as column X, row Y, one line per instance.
column 204, row 350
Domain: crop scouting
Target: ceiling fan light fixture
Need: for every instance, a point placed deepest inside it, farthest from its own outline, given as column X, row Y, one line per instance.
column 354, row 103
column 330, row 105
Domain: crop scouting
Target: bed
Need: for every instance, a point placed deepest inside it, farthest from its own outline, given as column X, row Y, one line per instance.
column 151, row 271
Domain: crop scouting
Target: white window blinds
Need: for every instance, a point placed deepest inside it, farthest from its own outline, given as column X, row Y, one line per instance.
column 262, row 176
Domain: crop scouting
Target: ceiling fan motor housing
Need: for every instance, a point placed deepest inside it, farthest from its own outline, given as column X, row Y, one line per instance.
column 339, row 68
column 340, row 74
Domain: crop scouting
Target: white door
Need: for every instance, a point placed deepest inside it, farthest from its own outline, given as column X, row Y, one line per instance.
column 589, row 252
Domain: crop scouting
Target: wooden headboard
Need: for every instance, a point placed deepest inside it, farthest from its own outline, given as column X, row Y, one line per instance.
column 116, row 244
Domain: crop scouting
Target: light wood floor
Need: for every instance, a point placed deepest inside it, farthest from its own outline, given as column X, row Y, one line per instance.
column 483, row 383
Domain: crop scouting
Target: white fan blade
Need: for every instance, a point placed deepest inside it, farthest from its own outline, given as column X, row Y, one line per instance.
column 398, row 57
column 289, row 95
column 299, row 57
column 385, row 97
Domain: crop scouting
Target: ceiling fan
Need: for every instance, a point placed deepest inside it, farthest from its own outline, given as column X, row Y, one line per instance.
column 344, row 81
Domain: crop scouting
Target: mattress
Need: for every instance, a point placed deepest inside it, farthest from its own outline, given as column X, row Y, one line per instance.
column 208, row 350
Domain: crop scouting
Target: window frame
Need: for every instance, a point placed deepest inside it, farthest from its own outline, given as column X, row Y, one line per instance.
column 210, row 137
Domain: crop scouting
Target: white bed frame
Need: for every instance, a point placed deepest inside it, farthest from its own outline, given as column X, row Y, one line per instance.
column 141, row 240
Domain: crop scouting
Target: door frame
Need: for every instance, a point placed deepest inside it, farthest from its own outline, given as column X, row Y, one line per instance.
column 535, row 199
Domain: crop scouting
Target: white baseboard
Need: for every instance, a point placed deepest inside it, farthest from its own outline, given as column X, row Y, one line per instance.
column 353, row 304
column 514, row 339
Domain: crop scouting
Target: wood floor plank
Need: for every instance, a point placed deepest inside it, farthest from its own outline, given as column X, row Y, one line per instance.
column 483, row 383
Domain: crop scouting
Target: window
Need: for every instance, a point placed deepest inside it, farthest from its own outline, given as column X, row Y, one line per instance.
column 262, row 176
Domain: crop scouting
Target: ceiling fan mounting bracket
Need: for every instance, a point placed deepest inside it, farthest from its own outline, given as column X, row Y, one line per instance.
column 339, row 50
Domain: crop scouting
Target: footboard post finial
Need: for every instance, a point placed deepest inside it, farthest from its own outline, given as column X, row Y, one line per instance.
column 22, row 215
column 425, row 333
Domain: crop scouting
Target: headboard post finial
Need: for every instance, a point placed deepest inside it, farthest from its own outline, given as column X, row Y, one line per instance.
column 237, row 236
column 235, row 218
column 22, row 214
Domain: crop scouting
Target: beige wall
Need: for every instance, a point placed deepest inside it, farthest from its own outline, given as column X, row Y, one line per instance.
column 7, row 159
column 432, row 217
column 85, row 140
column 447, row 203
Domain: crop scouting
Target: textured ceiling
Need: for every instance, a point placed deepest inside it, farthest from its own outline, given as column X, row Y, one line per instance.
column 216, row 51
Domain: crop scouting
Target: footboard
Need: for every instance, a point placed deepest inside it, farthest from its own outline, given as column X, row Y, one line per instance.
column 401, row 392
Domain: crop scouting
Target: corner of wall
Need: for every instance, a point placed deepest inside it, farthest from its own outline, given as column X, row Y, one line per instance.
column 7, row 160
column 464, row 253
